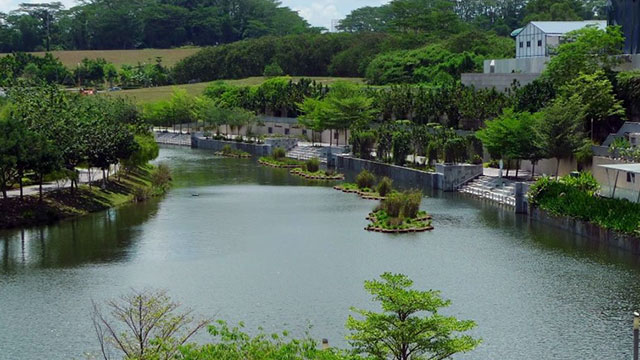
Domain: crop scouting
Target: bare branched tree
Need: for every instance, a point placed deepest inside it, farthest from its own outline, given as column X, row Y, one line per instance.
column 144, row 325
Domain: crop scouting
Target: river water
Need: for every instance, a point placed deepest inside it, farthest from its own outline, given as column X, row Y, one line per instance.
column 260, row 246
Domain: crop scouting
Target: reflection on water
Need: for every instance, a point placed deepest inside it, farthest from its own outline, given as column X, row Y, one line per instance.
column 96, row 238
column 273, row 250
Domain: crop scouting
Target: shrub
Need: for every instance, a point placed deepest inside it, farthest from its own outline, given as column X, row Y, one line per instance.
column 384, row 186
column 227, row 150
column 392, row 205
column 584, row 182
column 273, row 70
column 161, row 177
column 411, row 204
column 365, row 180
column 279, row 153
column 313, row 165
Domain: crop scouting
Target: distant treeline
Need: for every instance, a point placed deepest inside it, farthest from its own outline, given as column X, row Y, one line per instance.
column 123, row 24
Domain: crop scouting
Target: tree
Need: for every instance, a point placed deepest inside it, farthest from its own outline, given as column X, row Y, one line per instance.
column 9, row 141
column 402, row 331
column 144, row 325
column 367, row 19
column 46, row 159
column 47, row 13
column 596, row 94
column 561, row 128
column 585, row 51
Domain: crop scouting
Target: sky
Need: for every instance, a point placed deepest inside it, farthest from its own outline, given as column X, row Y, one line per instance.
column 317, row 12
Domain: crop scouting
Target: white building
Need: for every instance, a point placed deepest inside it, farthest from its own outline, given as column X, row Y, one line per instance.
column 538, row 38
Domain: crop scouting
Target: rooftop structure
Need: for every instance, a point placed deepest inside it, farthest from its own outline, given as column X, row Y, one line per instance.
column 538, row 38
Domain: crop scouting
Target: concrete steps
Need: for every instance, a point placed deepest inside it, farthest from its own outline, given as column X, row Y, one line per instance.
column 489, row 188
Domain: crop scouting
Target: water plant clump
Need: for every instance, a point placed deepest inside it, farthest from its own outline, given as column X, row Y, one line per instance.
column 278, row 159
column 365, row 180
column 400, row 213
column 365, row 186
column 228, row 151
column 311, row 170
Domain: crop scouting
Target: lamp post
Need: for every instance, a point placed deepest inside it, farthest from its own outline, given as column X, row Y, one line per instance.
column 636, row 333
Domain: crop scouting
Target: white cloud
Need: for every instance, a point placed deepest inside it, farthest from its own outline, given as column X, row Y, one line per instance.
column 321, row 12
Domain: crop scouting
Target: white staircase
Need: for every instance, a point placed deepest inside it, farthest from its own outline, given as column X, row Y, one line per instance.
column 308, row 152
column 491, row 188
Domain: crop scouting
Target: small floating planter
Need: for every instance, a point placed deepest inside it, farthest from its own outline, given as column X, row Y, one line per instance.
column 280, row 163
column 240, row 155
column 317, row 175
column 365, row 193
column 381, row 222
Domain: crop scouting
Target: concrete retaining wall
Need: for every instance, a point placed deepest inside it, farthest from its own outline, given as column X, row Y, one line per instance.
column 447, row 178
column 501, row 82
column 217, row 145
column 594, row 232
column 200, row 142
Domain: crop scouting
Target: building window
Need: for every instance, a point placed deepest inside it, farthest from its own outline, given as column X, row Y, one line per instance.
column 631, row 177
column 270, row 130
column 286, row 131
column 335, row 135
column 304, row 131
column 521, row 44
column 539, row 42
column 528, row 43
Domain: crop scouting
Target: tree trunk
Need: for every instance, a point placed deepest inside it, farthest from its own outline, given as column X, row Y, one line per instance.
column 517, row 169
column 330, row 137
column 40, row 187
column 557, row 167
column 533, row 169
column 20, row 174
column 104, row 179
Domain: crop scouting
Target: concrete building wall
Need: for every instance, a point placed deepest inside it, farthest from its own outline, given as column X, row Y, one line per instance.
column 627, row 184
column 531, row 65
column 531, row 42
column 548, row 166
column 289, row 129
column 501, row 82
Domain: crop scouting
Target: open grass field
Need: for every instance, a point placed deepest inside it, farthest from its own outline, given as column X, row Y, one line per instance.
column 148, row 95
column 119, row 57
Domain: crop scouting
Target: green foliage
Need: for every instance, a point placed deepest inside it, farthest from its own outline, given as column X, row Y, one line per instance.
column 365, row 180
column 561, row 129
column 585, row 51
column 362, row 143
column 401, row 145
column 278, row 153
column 393, row 204
column 232, row 343
column 92, row 25
column 421, row 65
column 385, row 186
column 409, row 326
column 583, row 182
column 574, row 198
column 628, row 90
column 513, row 135
column 411, row 204
column 313, row 165
column 272, row 70
column 161, row 178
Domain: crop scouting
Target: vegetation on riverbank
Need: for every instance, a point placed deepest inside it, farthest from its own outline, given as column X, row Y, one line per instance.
column 134, row 185
column 311, row 170
column 365, row 186
column 577, row 198
column 148, row 325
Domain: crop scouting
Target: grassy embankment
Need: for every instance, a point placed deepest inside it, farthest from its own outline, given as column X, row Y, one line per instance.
column 170, row 57
column 148, row 95
column 62, row 204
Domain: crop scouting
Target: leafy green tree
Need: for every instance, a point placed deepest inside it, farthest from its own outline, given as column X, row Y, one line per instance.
column 46, row 158
column 561, row 128
column 9, row 141
column 272, row 70
column 409, row 326
column 596, row 94
column 367, row 19
column 585, row 51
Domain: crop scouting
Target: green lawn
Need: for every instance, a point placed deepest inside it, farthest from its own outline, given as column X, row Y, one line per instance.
column 147, row 95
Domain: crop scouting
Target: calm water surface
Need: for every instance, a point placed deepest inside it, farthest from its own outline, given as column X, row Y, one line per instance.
column 268, row 249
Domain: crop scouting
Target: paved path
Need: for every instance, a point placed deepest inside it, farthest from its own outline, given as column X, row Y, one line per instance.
column 96, row 174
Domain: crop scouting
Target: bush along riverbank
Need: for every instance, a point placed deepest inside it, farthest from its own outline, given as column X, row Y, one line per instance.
column 228, row 151
column 577, row 198
column 134, row 185
column 311, row 170
column 400, row 213
column 365, row 186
